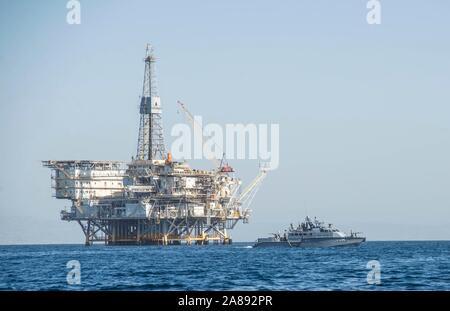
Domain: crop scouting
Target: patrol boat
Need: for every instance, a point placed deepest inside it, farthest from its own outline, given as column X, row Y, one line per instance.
column 311, row 233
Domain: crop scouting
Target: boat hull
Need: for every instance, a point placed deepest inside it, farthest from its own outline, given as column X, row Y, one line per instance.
column 314, row 242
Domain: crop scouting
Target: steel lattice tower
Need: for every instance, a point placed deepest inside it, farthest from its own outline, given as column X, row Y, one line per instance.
column 151, row 139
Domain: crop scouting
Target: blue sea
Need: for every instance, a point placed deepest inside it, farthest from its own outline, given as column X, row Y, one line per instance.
column 403, row 266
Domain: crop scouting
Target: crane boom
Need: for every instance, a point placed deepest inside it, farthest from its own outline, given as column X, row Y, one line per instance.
column 194, row 124
column 252, row 187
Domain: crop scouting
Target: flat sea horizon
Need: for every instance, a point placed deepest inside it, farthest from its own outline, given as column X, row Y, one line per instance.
column 404, row 265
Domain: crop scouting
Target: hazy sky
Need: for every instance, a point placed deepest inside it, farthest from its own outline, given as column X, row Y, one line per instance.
column 364, row 110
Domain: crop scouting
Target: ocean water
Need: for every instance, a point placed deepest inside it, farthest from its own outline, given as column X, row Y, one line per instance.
column 403, row 266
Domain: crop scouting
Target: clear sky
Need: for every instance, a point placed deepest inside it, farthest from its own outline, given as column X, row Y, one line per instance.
column 364, row 110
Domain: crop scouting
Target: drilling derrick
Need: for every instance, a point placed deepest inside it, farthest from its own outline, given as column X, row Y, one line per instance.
column 151, row 139
column 153, row 199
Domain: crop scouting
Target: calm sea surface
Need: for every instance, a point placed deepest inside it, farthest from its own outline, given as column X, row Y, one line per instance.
column 404, row 266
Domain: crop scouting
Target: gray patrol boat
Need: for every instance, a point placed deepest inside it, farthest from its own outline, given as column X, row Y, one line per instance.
column 311, row 233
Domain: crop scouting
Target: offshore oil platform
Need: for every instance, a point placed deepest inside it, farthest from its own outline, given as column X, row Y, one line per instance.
column 153, row 199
